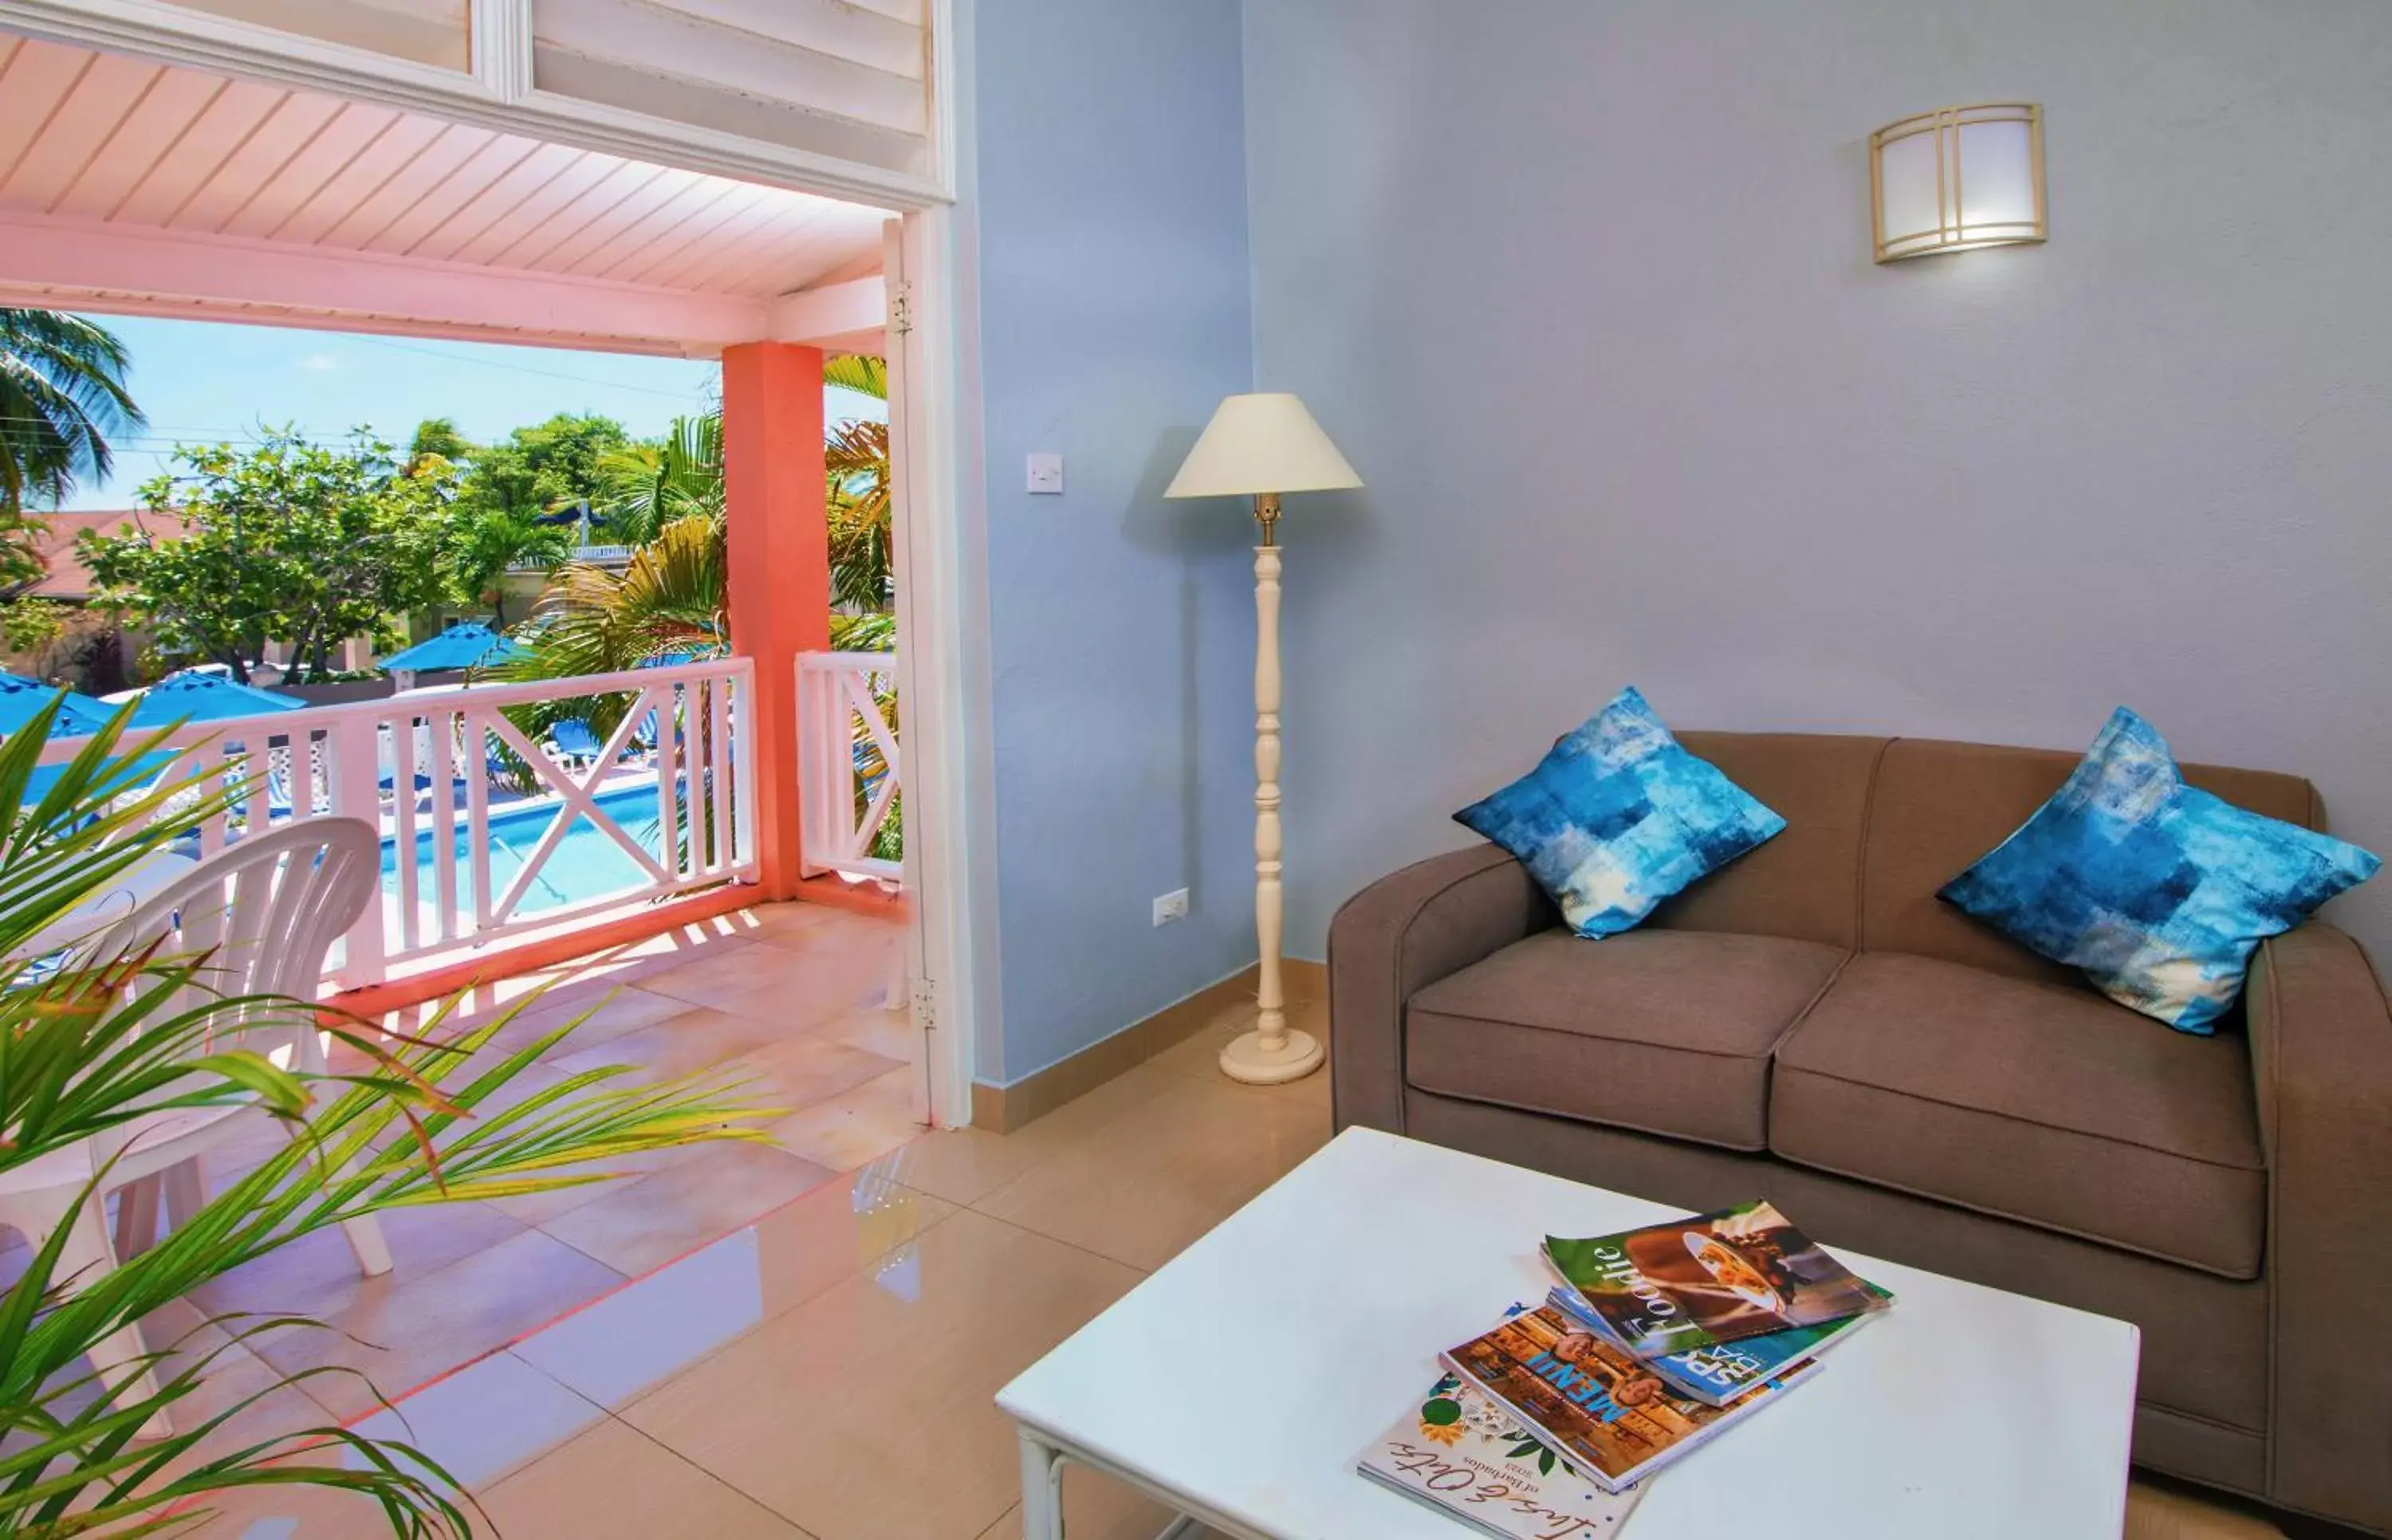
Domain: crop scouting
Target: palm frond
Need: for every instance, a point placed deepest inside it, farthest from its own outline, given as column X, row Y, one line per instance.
column 62, row 396
column 860, row 515
column 91, row 1043
column 860, row 372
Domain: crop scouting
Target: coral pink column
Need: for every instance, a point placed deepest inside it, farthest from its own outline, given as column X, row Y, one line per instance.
column 780, row 567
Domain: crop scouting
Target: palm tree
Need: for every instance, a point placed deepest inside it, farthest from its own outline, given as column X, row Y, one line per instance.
column 672, row 599
column 667, row 603
column 486, row 544
column 437, row 438
column 859, row 372
column 863, row 556
column 645, row 487
column 61, row 398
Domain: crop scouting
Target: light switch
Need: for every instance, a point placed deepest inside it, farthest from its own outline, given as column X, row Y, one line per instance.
column 1047, row 473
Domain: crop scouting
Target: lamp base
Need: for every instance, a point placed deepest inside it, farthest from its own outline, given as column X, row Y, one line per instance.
column 1245, row 1060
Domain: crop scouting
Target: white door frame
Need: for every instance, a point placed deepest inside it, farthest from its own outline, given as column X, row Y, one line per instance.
column 923, row 396
column 933, row 406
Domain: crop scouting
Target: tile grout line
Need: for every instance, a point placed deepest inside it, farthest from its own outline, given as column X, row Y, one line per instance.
column 1143, row 1272
column 861, row 1269
column 728, row 1486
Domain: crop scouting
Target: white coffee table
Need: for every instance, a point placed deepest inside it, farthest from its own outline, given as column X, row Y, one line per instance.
column 1239, row 1384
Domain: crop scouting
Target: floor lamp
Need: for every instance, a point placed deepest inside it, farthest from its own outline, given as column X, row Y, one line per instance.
column 1260, row 447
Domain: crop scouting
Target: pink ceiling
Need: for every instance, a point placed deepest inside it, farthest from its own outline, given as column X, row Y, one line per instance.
column 96, row 140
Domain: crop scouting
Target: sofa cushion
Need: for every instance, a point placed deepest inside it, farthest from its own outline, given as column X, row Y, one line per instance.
column 1617, row 817
column 2046, row 1105
column 1661, row 1031
column 1937, row 806
column 1806, row 882
column 2158, row 890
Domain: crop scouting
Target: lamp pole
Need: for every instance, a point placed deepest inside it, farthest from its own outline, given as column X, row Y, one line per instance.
column 1260, row 445
column 1270, row 1054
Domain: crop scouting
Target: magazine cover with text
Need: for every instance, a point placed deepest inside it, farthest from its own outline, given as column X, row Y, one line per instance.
column 1721, row 1372
column 1465, row 1455
column 1595, row 1405
column 1709, row 1278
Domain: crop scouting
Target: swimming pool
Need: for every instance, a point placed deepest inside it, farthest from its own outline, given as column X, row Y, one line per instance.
column 587, row 863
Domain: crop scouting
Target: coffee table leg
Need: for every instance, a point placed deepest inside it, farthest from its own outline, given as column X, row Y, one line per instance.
column 1042, row 1489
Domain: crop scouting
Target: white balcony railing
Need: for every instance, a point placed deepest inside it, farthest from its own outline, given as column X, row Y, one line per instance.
column 599, row 555
column 489, row 831
column 849, row 777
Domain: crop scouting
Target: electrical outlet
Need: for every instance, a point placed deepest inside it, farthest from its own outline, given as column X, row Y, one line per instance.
column 1047, row 473
column 1171, row 906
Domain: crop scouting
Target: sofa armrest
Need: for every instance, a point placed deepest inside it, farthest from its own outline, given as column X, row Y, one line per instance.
column 2322, row 1065
column 1400, row 934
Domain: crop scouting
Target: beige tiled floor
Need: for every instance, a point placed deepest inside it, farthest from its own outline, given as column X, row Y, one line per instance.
column 471, row 1278
column 827, row 1371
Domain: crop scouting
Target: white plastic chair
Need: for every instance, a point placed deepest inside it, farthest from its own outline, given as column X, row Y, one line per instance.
column 263, row 914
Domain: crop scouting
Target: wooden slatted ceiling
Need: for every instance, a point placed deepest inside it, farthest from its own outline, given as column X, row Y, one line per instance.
column 101, row 139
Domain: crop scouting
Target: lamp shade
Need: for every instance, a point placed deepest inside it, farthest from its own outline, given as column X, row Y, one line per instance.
column 1258, row 444
column 1957, row 178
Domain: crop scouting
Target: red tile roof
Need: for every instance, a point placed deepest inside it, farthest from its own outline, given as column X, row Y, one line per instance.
column 69, row 578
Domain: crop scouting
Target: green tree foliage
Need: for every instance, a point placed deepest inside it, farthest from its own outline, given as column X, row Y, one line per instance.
column 30, row 624
column 20, row 560
column 63, row 397
column 437, row 438
column 541, row 469
column 284, row 541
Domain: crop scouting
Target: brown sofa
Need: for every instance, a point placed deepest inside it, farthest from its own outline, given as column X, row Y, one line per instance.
column 1812, row 1025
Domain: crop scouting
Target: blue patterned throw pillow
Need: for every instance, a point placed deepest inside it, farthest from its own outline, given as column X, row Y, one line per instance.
column 2158, row 890
column 1617, row 817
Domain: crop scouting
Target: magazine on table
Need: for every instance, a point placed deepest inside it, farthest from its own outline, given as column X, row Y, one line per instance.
column 1718, row 1373
column 1601, row 1409
column 1707, row 1279
column 1467, row 1456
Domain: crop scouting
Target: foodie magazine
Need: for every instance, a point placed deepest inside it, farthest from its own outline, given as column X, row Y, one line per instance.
column 1594, row 1405
column 1719, row 1373
column 1465, row 1455
column 1708, row 1279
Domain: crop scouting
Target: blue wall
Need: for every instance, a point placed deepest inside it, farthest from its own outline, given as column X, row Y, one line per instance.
column 1596, row 320
column 1104, row 187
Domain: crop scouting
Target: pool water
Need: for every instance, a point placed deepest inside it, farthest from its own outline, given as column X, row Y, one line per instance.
column 587, row 863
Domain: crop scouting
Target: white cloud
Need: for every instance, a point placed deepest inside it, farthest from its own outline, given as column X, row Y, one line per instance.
column 319, row 363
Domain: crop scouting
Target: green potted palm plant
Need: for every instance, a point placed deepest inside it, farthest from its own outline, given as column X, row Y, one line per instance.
column 419, row 1122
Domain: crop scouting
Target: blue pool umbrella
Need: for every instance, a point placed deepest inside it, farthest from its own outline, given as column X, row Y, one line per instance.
column 205, row 698
column 468, row 644
column 78, row 716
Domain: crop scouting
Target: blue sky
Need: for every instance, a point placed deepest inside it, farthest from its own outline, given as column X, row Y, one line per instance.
column 203, row 382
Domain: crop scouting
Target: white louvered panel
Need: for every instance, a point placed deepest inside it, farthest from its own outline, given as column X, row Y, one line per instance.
column 908, row 11
column 833, row 27
column 428, row 31
column 803, row 63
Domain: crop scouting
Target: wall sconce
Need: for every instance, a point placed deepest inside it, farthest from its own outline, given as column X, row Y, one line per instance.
column 1956, row 178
